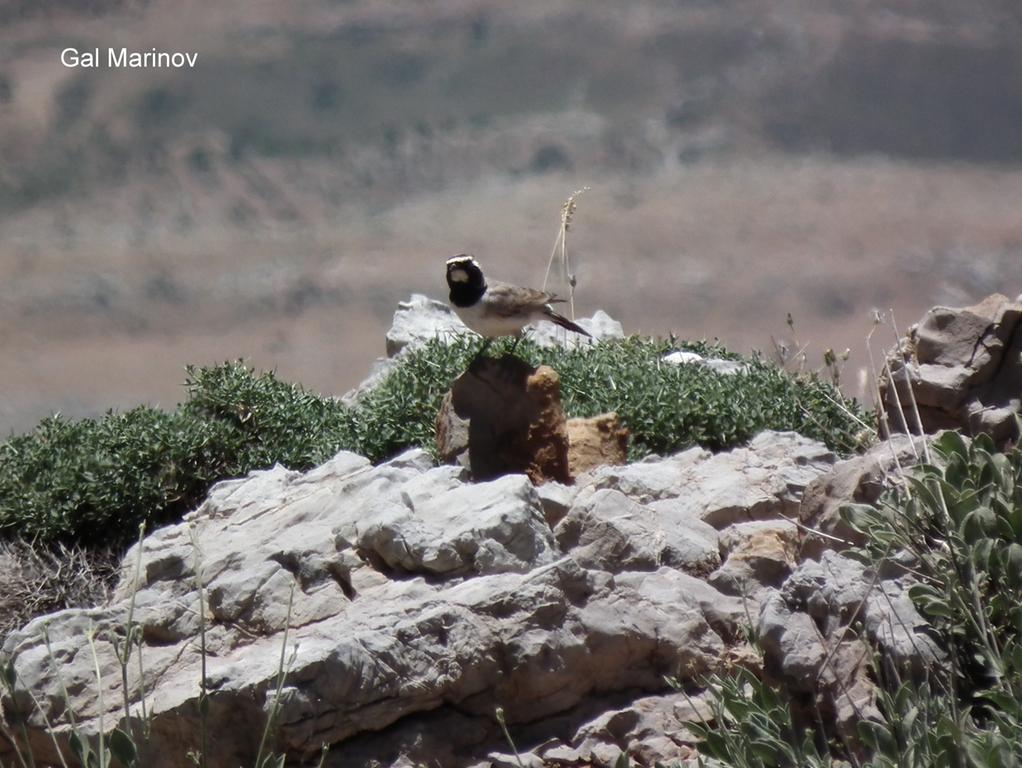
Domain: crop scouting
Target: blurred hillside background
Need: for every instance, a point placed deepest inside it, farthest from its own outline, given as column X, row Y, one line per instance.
column 748, row 158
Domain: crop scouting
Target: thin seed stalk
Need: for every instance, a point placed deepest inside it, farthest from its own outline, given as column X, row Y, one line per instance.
column 129, row 637
column 90, row 636
column 203, row 692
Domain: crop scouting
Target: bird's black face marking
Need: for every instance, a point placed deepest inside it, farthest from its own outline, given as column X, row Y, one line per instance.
column 465, row 279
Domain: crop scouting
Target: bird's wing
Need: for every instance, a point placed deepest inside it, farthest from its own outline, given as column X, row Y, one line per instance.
column 506, row 300
column 564, row 322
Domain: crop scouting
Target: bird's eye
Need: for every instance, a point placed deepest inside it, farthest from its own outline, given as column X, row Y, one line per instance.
column 459, row 275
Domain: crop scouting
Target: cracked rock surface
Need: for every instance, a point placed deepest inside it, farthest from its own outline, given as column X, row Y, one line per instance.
column 416, row 603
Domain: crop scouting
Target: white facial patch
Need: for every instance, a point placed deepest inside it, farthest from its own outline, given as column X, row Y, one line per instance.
column 458, row 275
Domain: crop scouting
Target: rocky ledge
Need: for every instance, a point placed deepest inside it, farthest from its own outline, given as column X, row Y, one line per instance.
column 415, row 604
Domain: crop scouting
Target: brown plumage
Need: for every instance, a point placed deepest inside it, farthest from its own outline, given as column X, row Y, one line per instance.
column 494, row 309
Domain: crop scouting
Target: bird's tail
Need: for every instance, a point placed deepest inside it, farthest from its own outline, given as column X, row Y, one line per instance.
column 564, row 322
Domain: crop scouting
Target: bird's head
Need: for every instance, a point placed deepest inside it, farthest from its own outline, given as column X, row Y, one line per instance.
column 464, row 274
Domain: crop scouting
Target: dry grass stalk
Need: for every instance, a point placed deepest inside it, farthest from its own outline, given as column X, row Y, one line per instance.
column 878, row 405
column 559, row 254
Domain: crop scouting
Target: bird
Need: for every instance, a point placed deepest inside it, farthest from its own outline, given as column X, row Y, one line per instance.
column 493, row 308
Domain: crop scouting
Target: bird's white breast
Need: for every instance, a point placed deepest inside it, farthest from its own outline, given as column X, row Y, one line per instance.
column 490, row 325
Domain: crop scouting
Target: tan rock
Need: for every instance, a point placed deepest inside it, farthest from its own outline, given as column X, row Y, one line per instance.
column 760, row 555
column 596, row 442
column 546, row 443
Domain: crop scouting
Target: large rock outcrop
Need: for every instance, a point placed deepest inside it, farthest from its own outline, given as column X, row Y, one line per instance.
column 420, row 603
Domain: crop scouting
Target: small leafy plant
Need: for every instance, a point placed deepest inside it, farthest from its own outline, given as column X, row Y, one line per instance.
column 752, row 726
column 955, row 527
column 958, row 523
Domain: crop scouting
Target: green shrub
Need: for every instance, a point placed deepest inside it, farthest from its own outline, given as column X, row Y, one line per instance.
column 94, row 481
column 401, row 412
column 270, row 421
column 667, row 407
column 751, row 726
